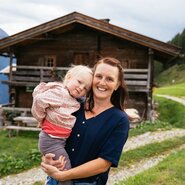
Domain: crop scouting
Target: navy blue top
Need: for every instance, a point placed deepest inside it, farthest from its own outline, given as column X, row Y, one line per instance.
column 101, row 136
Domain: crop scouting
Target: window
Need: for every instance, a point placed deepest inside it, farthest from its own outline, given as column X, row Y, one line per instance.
column 49, row 61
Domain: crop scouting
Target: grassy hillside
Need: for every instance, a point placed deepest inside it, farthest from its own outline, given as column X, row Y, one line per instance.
column 177, row 90
column 174, row 75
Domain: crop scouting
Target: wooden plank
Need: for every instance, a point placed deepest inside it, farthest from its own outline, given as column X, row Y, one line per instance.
column 138, row 89
column 20, row 83
column 18, row 128
column 135, row 76
column 32, row 72
column 26, row 78
column 136, row 83
column 17, row 109
column 136, row 70
column 28, row 121
column 26, row 72
column 23, row 128
column 41, row 67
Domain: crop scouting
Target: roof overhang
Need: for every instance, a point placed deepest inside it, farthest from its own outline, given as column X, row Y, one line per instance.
column 41, row 32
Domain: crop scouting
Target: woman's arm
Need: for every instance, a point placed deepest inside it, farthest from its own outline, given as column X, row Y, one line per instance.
column 88, row 169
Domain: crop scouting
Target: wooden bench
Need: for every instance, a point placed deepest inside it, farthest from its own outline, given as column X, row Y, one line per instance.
column 18, row 128
column 25, row 121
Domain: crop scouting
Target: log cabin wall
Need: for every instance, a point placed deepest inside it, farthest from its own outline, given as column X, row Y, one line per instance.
column 131, row 55
column 68, row 47
column 83, row 46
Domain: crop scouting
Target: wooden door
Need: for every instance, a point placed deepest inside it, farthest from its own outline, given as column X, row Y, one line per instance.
column 81, row 58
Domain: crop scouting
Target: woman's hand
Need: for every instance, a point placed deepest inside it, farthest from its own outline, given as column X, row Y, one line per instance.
column 48, row 159
column 50, row 170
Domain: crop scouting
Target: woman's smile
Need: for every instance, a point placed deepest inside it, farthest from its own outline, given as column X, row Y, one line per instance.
column 105, row 81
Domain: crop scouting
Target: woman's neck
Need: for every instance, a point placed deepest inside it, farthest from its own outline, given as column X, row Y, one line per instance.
column 100, row 106
column 96, row 111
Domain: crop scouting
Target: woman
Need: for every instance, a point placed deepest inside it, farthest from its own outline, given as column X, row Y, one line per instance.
column 100, row 131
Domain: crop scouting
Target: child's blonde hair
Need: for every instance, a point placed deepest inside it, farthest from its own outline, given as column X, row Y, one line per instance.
column 77, row 69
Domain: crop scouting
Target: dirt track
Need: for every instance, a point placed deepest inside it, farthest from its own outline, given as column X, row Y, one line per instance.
column 179, row 100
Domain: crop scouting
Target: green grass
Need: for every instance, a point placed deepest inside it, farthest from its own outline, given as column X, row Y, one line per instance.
column 148, row 126
column 23, row 142
column 150, row 150
column 18, row 153
column 173, row 75
column 177, row 90
column 171, row 112
column 171, row 171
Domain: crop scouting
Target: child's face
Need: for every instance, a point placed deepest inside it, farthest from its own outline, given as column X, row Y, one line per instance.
column 79, row 84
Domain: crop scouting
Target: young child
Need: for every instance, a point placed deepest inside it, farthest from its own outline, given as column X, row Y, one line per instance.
column 53, row 105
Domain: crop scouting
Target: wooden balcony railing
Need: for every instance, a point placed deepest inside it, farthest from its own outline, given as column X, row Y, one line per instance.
column 136, row 79
column 33, row 75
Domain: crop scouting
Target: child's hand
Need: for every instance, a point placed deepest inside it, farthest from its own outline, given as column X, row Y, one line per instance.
column 48, row 158
column 60, row 163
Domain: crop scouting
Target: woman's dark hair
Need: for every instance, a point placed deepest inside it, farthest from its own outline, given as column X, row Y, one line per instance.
column 120, row 95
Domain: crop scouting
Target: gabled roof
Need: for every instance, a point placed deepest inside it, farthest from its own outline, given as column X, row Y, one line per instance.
column 90, row 22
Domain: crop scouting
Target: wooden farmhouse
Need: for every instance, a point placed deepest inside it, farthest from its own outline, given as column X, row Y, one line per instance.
column 46, row 51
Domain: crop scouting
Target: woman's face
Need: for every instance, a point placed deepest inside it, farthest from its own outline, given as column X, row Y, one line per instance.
column 105, row 81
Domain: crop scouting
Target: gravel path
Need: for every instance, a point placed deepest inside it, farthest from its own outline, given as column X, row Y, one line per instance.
column 138, row 167
column 151, row 137
column 25, row 178
column 36, row 174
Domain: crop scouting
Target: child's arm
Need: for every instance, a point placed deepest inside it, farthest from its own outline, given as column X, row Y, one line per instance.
column 39, row 105
column 44, row 100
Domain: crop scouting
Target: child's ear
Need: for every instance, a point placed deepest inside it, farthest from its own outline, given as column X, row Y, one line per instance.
column 68, row 76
